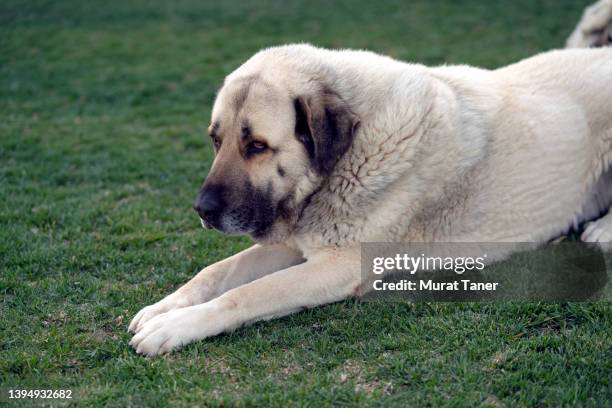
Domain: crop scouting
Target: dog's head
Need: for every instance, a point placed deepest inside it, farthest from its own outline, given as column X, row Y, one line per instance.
column 273, row 147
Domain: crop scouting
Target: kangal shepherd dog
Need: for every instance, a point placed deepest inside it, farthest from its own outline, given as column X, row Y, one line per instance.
column 319, row 150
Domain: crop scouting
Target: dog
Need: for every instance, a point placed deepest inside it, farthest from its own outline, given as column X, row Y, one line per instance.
column 318, row 150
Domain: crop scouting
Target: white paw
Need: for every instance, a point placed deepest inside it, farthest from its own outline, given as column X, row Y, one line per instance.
column 168, row 303
column 174, row 329
column 599, row 231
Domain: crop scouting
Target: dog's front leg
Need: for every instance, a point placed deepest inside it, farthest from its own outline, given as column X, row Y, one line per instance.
column 214, row 280
column 328, row 276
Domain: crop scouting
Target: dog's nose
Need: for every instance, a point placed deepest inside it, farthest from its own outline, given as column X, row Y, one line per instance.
column 209, row 202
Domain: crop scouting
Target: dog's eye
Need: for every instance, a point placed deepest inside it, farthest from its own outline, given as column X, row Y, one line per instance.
column 256, row 147
column 216, row 142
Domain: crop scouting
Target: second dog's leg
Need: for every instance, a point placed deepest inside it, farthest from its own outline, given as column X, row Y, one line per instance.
column 599, row 231
column 595, row 27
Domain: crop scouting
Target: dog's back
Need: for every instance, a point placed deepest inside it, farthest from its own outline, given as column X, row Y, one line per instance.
column 584, row 76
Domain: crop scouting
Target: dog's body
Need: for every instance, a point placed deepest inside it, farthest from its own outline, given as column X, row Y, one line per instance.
column 360, row 147
column 464, row 154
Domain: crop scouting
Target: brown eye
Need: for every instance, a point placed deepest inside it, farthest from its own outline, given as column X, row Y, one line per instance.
column 256, row 147
column 216, row 142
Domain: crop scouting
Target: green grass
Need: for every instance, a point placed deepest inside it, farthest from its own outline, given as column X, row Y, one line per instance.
column 104, row 108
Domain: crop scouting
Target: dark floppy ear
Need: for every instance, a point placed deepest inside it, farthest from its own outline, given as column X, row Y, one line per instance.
column 325, row 125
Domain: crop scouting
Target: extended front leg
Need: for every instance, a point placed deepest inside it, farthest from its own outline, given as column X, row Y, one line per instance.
column 214, row 280
column 329, row 276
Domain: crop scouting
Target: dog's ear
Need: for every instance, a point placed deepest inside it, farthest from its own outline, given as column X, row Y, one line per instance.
column 325, row 125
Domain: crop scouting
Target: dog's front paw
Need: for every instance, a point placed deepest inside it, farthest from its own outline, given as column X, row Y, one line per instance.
column 599, row 231
column 174, row 329
column 147, row 313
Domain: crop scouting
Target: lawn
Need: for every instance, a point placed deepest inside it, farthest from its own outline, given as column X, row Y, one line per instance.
column 104, row 107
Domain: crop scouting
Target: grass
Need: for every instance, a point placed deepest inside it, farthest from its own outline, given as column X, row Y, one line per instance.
column 104, row 107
